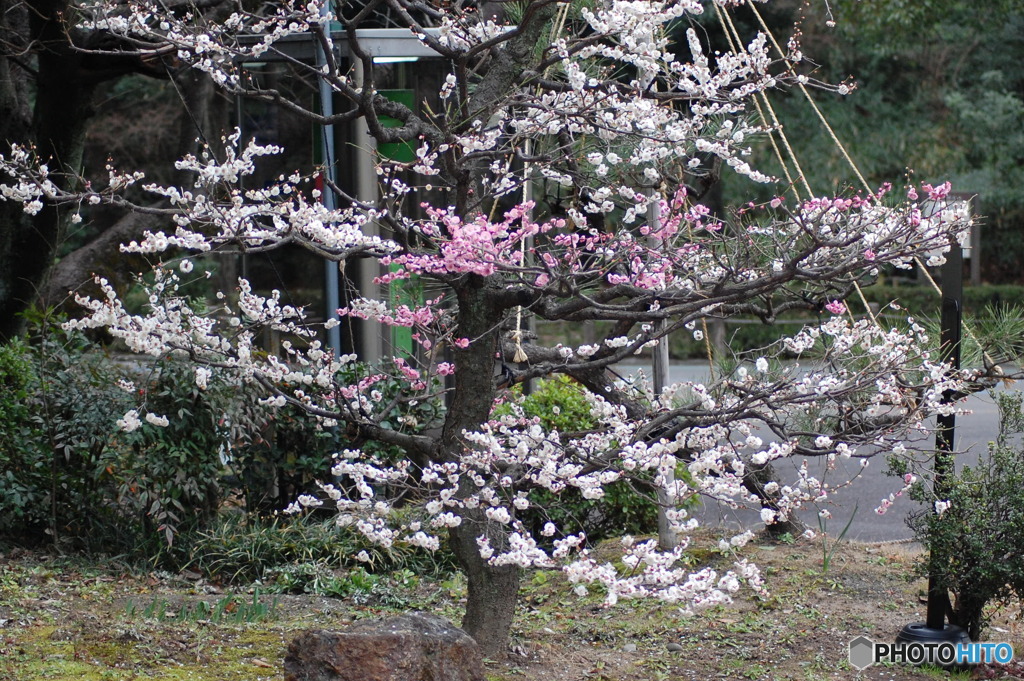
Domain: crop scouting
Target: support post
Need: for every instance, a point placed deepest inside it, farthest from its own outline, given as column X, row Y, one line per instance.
column 364, row 147
column 934, row 629
column 951, row 324
column 331, row 284
column 667, row 539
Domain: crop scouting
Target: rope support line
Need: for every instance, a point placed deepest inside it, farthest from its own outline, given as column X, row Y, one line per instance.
column 853, row 166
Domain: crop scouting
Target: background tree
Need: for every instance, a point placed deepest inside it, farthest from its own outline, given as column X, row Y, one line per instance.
column 56, row 79
column 939, row 91
column 619, row 112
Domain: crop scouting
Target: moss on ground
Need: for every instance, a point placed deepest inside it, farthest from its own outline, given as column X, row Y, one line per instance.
column 61, row 622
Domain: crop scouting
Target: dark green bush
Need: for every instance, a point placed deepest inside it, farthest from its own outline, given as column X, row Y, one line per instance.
column 72, row 476
column 69, row 475
column 168, row 477
column 276, row 456
column 23, row 474
column 55, row 439
column 242, row 548
column 978, row 541
column 560, row 405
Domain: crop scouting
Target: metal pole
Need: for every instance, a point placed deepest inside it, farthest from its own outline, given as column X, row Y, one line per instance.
column 331, row 299
column 660, row 353
column 243, row 258
column 371, row 334
column 975, row 254
column 667, row 539
column 527, row 248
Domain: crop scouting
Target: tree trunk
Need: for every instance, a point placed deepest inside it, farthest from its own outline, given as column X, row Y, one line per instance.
column 65, row 79
column 754, row 481
column 493, row 590
column 968, row 614
column 15, row 126
column 101, row 256
column 62, row 105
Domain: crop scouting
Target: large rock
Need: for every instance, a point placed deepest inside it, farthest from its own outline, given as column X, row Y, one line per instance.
column 413, row 647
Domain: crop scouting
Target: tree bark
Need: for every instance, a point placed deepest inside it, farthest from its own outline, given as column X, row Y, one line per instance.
column 65, row 80
column 755, row 479
column 493, row 590
column 204, row 112
column 62, row 105
column 15, row 94
column 101, row 256
column 15, row 126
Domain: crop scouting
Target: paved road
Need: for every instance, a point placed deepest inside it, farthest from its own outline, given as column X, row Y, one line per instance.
column 973, row 432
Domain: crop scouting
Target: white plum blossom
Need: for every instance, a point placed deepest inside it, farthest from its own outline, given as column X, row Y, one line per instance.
column 157, row 420
column 130, row 421
column 203, row 375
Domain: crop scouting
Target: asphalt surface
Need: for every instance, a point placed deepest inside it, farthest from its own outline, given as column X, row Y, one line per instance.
column 860, row 499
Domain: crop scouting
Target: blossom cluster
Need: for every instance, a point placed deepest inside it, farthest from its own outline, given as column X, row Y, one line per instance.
column 217, row 211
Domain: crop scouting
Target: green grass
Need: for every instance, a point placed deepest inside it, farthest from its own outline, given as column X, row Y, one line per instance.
column 73, row 623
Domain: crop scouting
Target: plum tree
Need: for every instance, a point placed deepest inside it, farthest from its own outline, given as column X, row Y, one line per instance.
column 620, row 112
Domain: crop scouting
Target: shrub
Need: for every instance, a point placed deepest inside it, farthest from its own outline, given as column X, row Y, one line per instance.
column 980, row 537
column 561, row 405
column 23, row 473
column 55, row 437
column 70, row 472
column 243, row 548
column 275, row 457
column 168, row 477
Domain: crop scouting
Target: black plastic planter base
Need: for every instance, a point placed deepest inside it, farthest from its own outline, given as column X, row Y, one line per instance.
column 920, row 632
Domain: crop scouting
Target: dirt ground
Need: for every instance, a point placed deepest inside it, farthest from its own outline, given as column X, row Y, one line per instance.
column 71, row 619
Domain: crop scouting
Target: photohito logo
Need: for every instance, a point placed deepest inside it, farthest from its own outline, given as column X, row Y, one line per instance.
column 864, row 652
